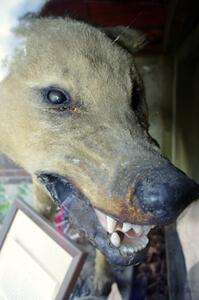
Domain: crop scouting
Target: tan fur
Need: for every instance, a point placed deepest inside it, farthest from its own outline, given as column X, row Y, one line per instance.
column 103, row 276
column 43, row 202
column 95, row 143
column 99, row 76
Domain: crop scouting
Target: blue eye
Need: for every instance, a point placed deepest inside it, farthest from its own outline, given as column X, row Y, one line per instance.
column 56, row 96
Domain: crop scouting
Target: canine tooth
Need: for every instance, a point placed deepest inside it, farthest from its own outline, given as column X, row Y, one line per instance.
column 115, row 239
column 137, row 228
column 126, row 227
column 145, row 240
column 147, row 228
column 111, row 224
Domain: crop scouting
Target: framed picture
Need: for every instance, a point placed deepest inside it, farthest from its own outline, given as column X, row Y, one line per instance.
column 36, row 262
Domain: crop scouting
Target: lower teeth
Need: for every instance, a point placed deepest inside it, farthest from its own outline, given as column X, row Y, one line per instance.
column 115, row 239
column 128, row 238
column 127, row 250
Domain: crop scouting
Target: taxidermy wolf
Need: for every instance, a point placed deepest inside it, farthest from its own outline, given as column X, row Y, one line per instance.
column 73, row 114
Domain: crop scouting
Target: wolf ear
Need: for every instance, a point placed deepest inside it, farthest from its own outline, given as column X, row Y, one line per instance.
column 130, row 39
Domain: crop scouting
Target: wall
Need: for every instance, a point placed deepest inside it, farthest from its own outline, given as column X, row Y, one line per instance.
column 157, row 73
column 186, row 148
column 186, row 152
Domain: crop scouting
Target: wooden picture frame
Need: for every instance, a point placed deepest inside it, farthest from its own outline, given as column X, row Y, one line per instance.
column 25, row 260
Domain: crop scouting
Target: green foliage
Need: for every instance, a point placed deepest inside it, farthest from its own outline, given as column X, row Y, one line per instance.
column 21, row 191
column 4, row 202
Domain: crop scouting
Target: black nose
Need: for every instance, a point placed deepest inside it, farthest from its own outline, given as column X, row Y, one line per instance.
column 165, row 192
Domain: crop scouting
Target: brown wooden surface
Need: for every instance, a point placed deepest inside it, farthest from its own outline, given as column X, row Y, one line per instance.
column 10, row 172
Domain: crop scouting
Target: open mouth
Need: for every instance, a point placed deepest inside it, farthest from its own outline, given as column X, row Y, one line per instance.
column 128, row 238
column 122, row 243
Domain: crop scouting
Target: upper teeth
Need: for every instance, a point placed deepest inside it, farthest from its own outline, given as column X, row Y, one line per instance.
column 126, row 227
column 138, row 244
column 111, row 224
column 139, row 239
column 137, row 228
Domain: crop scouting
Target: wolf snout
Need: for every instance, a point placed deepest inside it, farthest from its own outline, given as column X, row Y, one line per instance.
column 165, row 192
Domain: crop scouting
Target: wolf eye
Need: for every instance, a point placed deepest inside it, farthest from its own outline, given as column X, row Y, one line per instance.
column 56, row 96
column 139, row 106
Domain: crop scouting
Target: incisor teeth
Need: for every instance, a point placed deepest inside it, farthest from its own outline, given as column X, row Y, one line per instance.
column 111, row 224
column 137, row 228
column 124, row 250
column 115, row 239
column 126, row 227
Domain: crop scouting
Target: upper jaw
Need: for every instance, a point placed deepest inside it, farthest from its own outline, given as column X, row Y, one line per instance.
column 103, row 236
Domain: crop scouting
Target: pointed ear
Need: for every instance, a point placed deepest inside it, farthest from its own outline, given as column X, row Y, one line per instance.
column 130, row 39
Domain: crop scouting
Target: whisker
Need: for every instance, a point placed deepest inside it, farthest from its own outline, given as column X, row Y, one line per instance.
column 127, row 27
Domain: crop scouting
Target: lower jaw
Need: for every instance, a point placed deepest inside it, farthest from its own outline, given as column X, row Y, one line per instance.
column 132, row 245
column 114, row 255
column 98, row 236
column 79, row 208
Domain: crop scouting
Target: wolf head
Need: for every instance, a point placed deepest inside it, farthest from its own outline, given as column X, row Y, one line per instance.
column 73, row 114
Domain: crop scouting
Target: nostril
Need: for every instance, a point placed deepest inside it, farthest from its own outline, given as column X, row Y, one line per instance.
column 165, row 193
column 152, row 197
